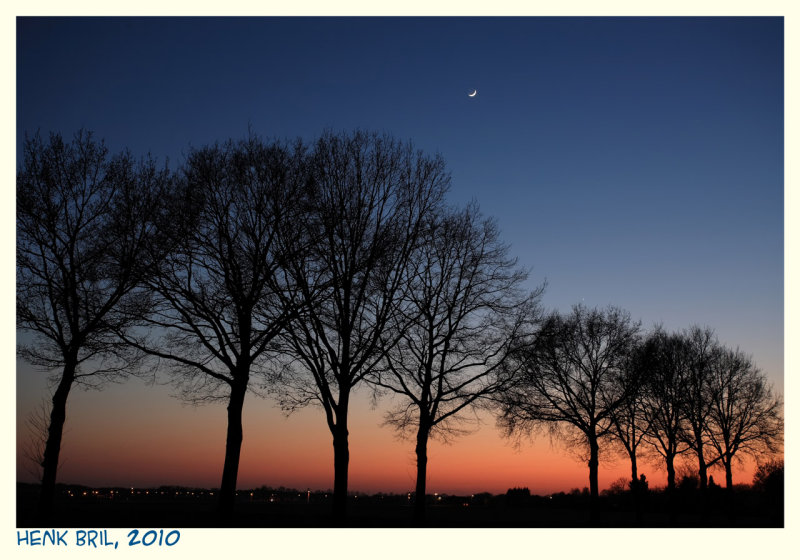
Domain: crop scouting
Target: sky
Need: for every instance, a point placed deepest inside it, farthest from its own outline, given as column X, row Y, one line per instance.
column 632, row 162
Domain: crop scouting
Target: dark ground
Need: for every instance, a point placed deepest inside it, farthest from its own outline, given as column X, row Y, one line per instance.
column 172, row 507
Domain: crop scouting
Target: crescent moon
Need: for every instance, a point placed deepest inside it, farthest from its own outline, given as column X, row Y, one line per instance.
column 473, row 94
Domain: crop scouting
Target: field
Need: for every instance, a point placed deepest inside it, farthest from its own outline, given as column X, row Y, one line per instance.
column 267, row 508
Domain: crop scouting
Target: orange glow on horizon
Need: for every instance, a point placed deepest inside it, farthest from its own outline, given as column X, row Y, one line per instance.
column 133, row 435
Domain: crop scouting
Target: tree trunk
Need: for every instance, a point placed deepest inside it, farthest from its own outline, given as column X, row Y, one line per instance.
column 233, row 449
column 672, row 504
column 634, row 471
column 670, row 473
column 729, row 474
column 55, row 432
column 636, row 489
column 730, row 505
column 702, row 468
column 594, row 462
column 422, row 473
column 341, row 461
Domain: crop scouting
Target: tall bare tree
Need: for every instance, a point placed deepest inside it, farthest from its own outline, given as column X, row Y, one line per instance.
column 87, row 235
column 746, row 416
column 369, row 200
column 630, row 423
column 702, row 352
column 569, row 378
column 665, row 358
column 38, row 422
column 222, row 297
column 463, row 311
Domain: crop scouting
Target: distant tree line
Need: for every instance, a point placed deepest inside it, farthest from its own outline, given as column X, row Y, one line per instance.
column 313, row 268
column 593, row 377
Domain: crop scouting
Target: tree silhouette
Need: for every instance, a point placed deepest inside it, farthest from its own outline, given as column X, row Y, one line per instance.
column 462, row 312
column 88, row 229
column 665, row 358
column 569, row 378
column 38, row 422
column 745, row 416
column 630, row 423
column 368, row 202
column 769, row 473
column 222, row 297
column 702, row 351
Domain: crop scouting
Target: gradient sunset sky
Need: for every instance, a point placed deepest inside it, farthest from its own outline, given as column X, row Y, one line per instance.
column 633, row 162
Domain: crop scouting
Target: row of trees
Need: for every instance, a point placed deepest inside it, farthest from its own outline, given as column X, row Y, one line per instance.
column 317, row 268
column 310, row 265
column 592, row 376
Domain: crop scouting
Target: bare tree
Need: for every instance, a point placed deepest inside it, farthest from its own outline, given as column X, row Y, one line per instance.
column 87, row 235
column 369, row 200
column 746, row 416
column 664, row 404
column 37, row 423
column 702, row 351
column 462, row 312
column 569, row 378
column 630, row 423
column 222, row 297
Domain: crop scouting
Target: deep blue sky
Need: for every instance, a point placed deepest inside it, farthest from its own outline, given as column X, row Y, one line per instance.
column 635, row 162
